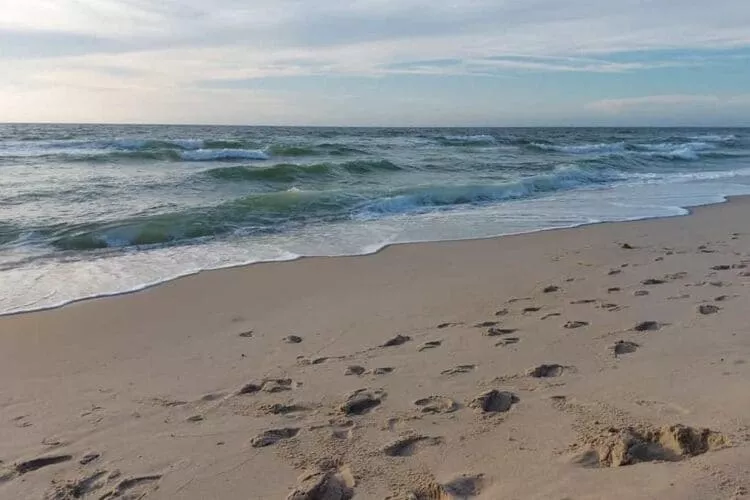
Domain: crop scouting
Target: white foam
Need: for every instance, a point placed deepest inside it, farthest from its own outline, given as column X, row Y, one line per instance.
column 481, row 138
column 601, row 148
column 50, row 283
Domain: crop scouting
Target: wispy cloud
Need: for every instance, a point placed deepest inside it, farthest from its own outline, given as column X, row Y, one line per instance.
column 667, row 101
column 180, row 45
column 624, row 104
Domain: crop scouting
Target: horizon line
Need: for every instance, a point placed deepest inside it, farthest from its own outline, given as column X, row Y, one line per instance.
column 158, row 124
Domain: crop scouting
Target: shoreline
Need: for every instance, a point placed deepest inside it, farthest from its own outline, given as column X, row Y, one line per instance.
column 688, row 212
column 559, row 363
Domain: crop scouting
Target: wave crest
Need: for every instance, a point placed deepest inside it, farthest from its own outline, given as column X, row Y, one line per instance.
column 290, row 172
column 426, row 198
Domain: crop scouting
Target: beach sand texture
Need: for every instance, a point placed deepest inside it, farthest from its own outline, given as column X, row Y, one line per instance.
column 608, row 361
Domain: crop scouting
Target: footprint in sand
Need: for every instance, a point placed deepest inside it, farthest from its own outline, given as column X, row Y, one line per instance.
column 572, row 325
column 361, row 401
column 517, row 299
column 610, row 307
column 77, row 488
column 614, row 289
column 551, row 289
column 533, row 309
column 676, row 276
column 383, row 371
column 458, row 370
column 293, row 339
column 652, row 281
column 89, row 457
column 275, row 385
column 281, row 409
column 432, row 344
column 125, row 487
column 641, row 293
column 397, row 341
column 34, row 464
column 131, row 487
column 447, row 325
column 436, row 404
column 249, row 388
column 624, row 347
column 459, row 488
column 494, row 401
column 273, row 436
column 342, row 430
column 647, row 326
column 486, row 324
column 679, row 297
column 546, row 371
column 409, row 445
column 496, row 332
column 706, row 309
column 355, row 370
column 583, row 301
column 335, row 484
column 722, row 267
column 502, row 312
column 508, row 341
column 248, row 334
column 303, row 361
column 632, row 445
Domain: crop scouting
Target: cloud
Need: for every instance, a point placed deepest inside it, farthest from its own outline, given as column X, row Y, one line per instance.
column 183, row 46
column 644, row 102
column 667, row 101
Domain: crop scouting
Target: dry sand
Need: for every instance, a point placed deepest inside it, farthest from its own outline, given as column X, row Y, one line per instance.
column 524, row 367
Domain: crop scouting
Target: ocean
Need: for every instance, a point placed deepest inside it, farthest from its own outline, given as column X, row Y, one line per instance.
column 92, row 210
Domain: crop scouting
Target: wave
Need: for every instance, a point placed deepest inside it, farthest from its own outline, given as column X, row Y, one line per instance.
column 430, row 197
column 688, row 151
column 600, row 148
column 223, row 154
column 714, row 137
column 467, row 140
column 324, row 149
column 268, row 212
column 683, row 151
column 290, row 172
column 254, row 214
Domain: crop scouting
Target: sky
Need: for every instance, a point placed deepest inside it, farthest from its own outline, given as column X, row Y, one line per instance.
column 377, row 62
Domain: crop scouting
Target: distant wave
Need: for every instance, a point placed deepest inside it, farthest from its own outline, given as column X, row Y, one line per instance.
column 683, row 151
column 688, row 151
column 466, row 140
column 582, row 149
column 290, row 172
column 222, row 154
column 714, row 137
column 327, row 149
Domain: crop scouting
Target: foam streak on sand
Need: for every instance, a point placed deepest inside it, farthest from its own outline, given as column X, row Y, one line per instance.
column 426, row 371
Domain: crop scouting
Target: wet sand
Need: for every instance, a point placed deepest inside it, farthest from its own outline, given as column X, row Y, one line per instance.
column 609, row 361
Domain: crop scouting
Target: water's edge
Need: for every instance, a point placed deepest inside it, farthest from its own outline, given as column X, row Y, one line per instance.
column 687, row 211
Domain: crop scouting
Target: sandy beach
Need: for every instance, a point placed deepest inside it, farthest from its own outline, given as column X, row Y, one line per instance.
column 608, row 361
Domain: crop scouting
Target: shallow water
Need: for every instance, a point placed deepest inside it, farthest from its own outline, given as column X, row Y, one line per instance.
column 87, row 210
